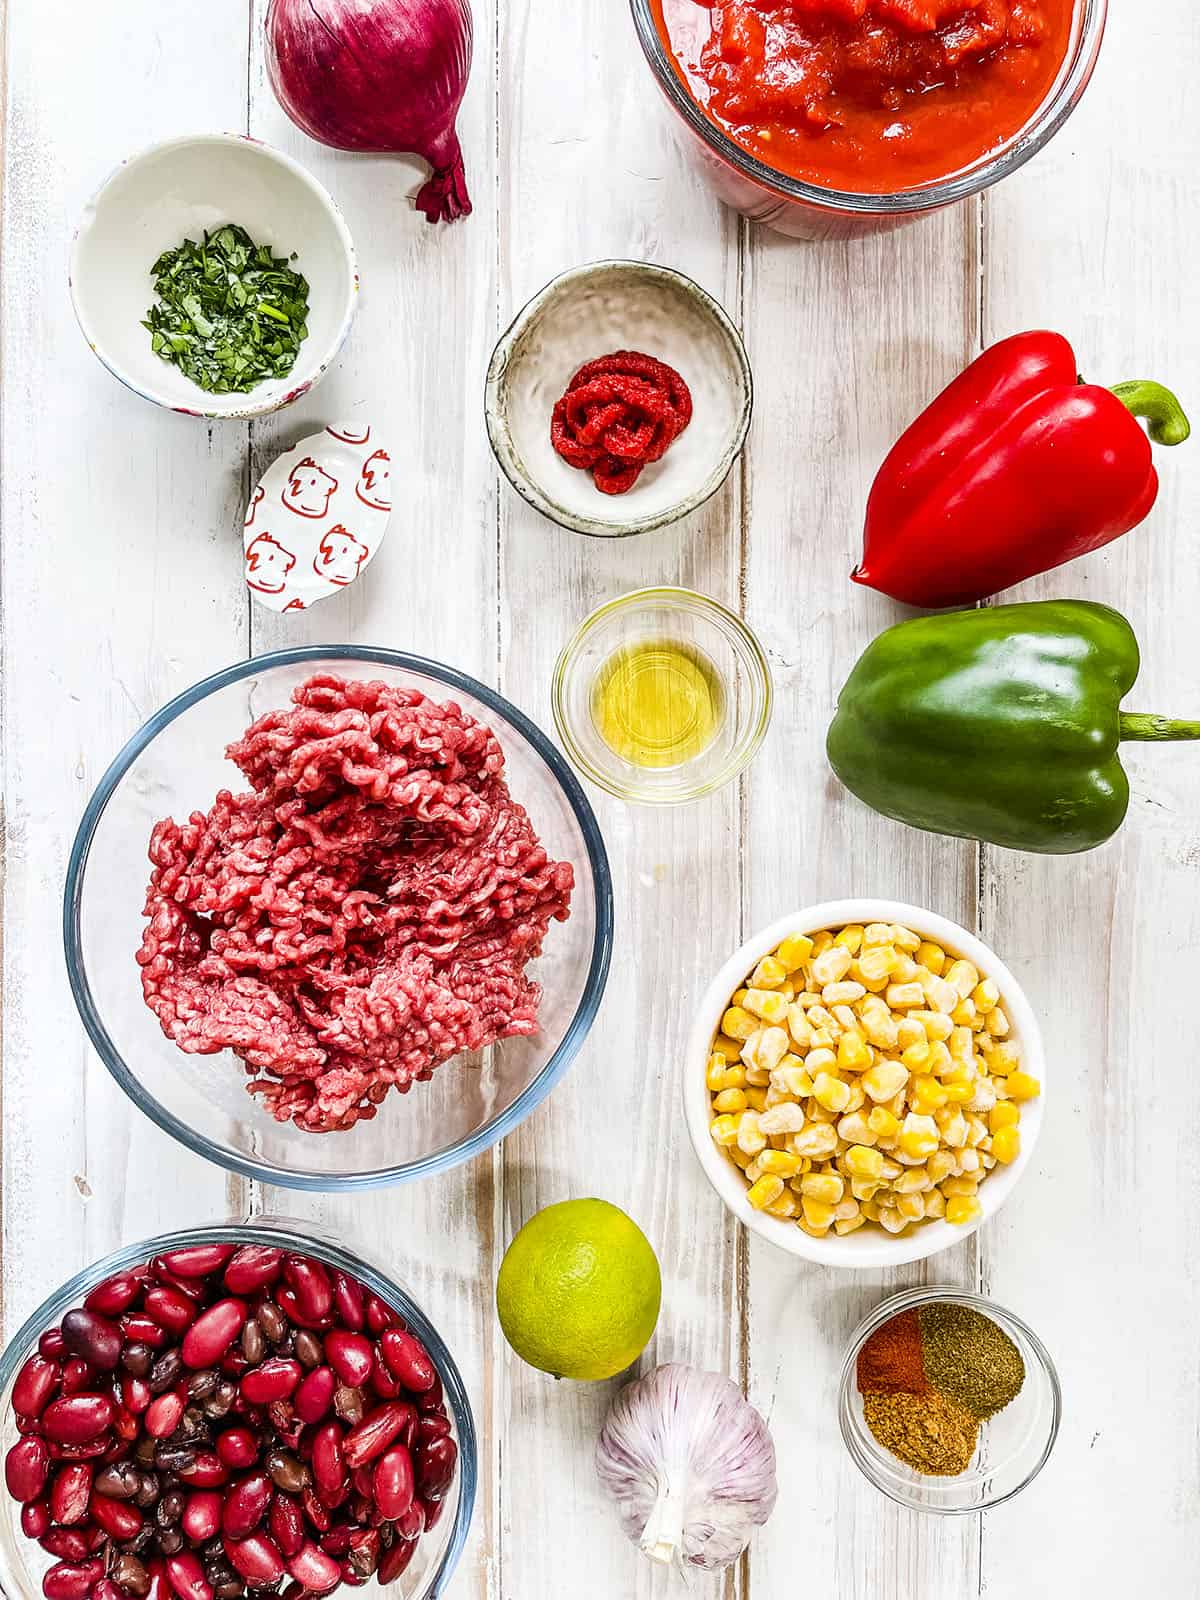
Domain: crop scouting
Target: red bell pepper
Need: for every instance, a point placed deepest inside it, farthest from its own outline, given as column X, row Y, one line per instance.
column 1015, row 468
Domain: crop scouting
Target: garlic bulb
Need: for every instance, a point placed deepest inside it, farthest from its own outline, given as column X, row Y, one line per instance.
column 691, row 1466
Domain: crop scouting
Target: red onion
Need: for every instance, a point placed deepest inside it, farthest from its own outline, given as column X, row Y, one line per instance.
column 378, row 76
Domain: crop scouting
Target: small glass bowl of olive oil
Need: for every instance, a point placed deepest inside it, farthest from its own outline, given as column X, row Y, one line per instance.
column 662, row 696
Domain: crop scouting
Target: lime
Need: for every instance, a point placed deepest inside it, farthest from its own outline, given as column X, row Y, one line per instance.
column 579, row 1291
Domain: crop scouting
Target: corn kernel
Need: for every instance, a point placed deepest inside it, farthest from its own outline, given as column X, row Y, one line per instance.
column 817, row 1139
column 816, row 1212
column 729, row 1100
column 793, row 1077
column 1021, row 1086
column 916, row 1056
column 786, row 1207
column 998, row 1023
column 918, row 1136
column 942, row 996
column 986, row 996
column 871, row 1210
column 739, row 995
column 952, row 1125
column 757, row 1077
column 963, row 976
column 957, row 1187
column 904, row 938
column 962, row 1210
column 799, row 1028
column 768, row 974
column 807, row 1227
column 787, row 1118
column 820, row 1060
column 765, row 1192
column 959, row 1094
column 750, row 1136
column 915, row 1181
column 878, row 963
column 823, row 1186
column 767, row 1004
column 877, row 1022
column 893, row 1221
column 935, row 1205
column 723, row 1045
column 720, row 1075
column 964, row 1015
column 902, row 995
column 937, row 1025
column 882, row 1123
column 851, row 939
column 970, row 1163
column 738, row 1024
column 756, row 1097
column 738, row 1157
column 1004, row 1114
column 765, row 1049
column 932, row 957
column 1006, row 1145
column 885, row 1079
column 780, row 1163
column 927, row 1095
column 842, row 994
column 821, row 942
column 855, row 1129
column 911, row 1206
column 831, row 967
column 845, row 1225
column 831, row 1092
column 724, row 1130
column 862, row 1162
column 961, row 1045
column 794, row 951
column 854, row 1053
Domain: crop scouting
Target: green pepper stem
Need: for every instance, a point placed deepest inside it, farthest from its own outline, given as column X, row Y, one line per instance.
column 1168, row 423
column 1144, row 725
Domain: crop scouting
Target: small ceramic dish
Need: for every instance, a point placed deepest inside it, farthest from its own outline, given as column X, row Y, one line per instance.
column 867, row 1247
column 592, row 311
column 1014, row 1445
column 688, row 651
column 176, row 191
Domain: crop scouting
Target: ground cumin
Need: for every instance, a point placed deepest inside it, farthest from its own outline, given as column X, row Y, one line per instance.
column 926, row 1432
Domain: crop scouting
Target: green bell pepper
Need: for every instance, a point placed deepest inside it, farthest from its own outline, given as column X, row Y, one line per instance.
column 1002, row 724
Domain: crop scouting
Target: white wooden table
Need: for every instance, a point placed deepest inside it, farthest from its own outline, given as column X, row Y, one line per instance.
column 122, row 585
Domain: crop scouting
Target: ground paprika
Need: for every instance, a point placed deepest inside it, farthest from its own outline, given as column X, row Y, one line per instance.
column 891, row 1361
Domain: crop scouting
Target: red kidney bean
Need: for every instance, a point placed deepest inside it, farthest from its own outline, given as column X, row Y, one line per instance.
column 51, row 1344
column 293, row 1591
column 197, row 1260
column 337, row 1541
column 310, row 1283
column 164, row 1414
column 208, row 1471
column 408, row 1360
column 91, row 1451
column 106, row 1589
column 237, row 1447
column 76, row 1375
column 234, row 1364
column 289, row 1303
column 190, row 1288
column 286, row 1522
column 431, row 1400
column 276, row 1379
column 395, row 1560
column 252, row 1268
column 350, row 1355
column 115, row 1294
column 186, row 1577
column 78, row 1419
column 316, row 1513
column 373, row 1435
column 315, row 1395
column 118, row 1519
column 328, row 1465
column 210, row 1336
column 366, row 1547
column 246, row 1505
column 72, row 1493
column 435, row 1467
column 125, row 1425
column 379, row 1314
column 412, row 1523
column 170, row 1308
column 433, row 1426
column 201, row 1519
column 159, row 1588
column 349, row 1301
column 135, row 1394
column 36, row 1383
column 314, row 1569
column 140, row 1329
column 394, row 1484
column 363, row 1479
column 383, row 1380
column 257, row 1559
column 35, row 1518
column 66, row 1582
column 66, row 1544
column 95, row 1339
column 26, row 1468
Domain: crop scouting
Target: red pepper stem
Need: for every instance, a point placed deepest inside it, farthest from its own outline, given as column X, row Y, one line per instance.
column 1145, row 726
column 1168, row 423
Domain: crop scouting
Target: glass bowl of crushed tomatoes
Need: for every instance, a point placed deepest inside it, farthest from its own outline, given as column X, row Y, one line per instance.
column 338, row 917
column 135, row 1421
column 838, row 117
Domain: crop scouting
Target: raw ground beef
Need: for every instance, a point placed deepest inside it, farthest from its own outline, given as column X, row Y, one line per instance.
column 361, row 916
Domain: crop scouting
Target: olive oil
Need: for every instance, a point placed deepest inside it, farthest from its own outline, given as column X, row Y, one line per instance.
column 657, row 703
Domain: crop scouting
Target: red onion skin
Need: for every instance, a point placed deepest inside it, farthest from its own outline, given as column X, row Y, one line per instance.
column 381, row 77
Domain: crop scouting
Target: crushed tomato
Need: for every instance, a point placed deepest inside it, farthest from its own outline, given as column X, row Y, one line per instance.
column 868, row 96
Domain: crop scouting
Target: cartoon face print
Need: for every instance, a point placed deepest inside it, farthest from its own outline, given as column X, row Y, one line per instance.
column 268, row 564
column 375, row 484
column 350, row 432
column 309, row 489
column 340, row 557
column 259, row 495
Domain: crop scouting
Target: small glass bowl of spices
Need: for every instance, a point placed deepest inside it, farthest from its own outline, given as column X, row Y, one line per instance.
column 948, row 1402
column 662, row 696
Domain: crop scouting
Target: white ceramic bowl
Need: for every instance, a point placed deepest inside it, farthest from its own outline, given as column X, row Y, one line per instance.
column 592, row 311
column 867, row 1247
column 175, row 191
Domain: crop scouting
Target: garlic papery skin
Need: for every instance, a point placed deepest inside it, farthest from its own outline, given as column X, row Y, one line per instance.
column 690, row 1465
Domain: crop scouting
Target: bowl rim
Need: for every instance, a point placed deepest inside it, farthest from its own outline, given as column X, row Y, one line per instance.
column 908, row 1299
column 678, row 595
column 1046, row 121
column 285, row 1233
column 500, row 435
column 884, row 1250
column 534, row 1092
column 307, row 375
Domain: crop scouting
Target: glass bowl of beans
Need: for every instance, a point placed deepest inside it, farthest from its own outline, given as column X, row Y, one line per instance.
column 228, row 1409
column 381, row 904
column 948, row 1403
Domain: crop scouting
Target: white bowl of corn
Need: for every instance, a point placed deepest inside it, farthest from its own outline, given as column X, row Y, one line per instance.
column 865, row 1083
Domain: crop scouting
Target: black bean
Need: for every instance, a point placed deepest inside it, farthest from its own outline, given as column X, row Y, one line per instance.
column 220, row 1402
column 309, row 1351
column 166, row 1372
column 286, row 1471
column 143, row 1450
column 149, row 1490
column 170, row 1541
column 231, row 1590
column 120, row 1481
column 170, row 1508
column 202, row 1384
column 254, row 1342
column 137, row 1359
column 272, row 1321
column 348, row 1404
column 129, row 1573
column 174, row 1458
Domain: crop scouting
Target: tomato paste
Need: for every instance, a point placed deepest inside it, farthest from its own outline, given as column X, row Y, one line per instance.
column 868, row 96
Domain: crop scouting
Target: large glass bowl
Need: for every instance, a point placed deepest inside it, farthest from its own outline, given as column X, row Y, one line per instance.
column 22, row 1562
column 176, row 764
column 806, row 210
